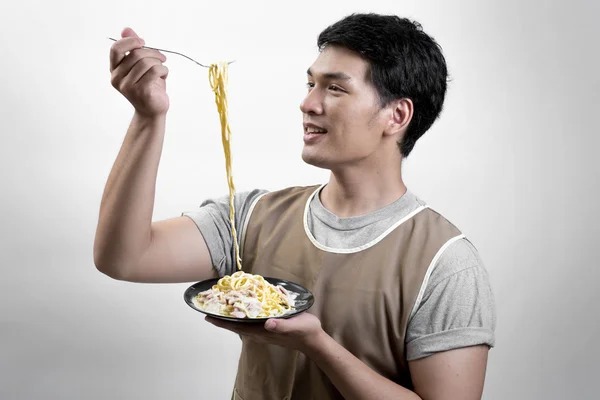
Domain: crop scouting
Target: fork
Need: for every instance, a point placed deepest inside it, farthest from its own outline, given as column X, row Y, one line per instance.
column 174, row 52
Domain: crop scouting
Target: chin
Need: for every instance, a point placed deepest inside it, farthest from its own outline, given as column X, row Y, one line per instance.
column 314, row 159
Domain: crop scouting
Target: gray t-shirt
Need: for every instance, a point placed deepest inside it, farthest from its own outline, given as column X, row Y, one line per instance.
column 457, row 309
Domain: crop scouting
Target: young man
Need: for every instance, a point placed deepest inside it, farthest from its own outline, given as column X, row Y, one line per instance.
column 403, row 304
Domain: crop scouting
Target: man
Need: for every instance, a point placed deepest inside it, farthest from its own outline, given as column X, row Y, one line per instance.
column 403, row 305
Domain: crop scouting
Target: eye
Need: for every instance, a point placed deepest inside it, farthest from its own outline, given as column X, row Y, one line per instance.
column 310, row 85
column 335, row 88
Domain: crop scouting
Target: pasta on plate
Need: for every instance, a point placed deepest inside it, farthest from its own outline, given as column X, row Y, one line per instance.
column 244, row 295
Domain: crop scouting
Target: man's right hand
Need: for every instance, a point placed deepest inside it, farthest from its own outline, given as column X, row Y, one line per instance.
column 139, row 74
column 128, row 244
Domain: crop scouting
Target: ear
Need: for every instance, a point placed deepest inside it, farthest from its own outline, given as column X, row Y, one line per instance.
column 401, row 112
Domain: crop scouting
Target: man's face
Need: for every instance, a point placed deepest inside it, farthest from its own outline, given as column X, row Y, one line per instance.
column 343, row 120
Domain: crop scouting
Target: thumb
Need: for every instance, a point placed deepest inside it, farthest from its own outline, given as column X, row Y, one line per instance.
column 273, row 325
column 128, row 32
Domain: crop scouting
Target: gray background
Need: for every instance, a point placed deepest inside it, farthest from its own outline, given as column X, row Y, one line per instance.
column 512, row 162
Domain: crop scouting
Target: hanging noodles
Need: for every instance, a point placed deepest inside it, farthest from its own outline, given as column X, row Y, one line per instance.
column 218, row 81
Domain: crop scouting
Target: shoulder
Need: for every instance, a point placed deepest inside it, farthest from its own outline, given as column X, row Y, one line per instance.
column 458, row 256
column 428, row 220
column 284, row 197
column 240, row 198
column 431, row 219
column 457, row 252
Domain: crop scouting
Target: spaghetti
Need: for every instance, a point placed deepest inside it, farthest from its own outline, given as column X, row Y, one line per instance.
column 217, row 75
column 244, row 295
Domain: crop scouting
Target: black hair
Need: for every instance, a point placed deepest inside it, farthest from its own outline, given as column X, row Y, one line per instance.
column 404, row 62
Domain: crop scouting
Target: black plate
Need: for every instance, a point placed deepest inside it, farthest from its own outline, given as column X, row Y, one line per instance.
column 304, row 300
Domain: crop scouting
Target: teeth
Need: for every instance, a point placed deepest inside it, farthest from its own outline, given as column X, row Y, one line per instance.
column 315, row 130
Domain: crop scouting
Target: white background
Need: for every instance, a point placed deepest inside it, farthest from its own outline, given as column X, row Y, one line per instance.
column 512, row 162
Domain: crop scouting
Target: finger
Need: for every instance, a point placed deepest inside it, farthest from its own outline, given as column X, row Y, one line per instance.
column 154, row 73
column 121, row 48
column 291, row 325
column 216, row 322
column 221, row 324
column 128, row 32
column 127, row 64
column 271, row 325
column 279, row 326
column 245, row 330
column 138, row 70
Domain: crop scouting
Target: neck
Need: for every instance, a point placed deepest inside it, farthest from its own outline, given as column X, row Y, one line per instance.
column 364, row 187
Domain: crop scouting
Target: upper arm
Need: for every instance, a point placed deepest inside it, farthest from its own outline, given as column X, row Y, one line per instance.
column 451, row 375
column 196, row 246
column 177, row 253
column 449, row 336
column 457, row 309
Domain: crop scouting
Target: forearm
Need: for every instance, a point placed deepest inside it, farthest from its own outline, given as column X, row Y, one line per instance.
column 353, row 378
column 125, row 218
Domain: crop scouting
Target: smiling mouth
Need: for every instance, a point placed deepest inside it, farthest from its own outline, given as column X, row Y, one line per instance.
column 313, row 135
column 312, row 130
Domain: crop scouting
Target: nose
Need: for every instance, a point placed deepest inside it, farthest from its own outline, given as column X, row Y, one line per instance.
column 312, row 103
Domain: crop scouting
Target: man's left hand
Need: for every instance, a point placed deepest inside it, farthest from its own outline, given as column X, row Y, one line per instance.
column 298, row 333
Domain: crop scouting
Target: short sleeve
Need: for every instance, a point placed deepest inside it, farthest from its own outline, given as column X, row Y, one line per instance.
column 212, row 219
column 457, row 309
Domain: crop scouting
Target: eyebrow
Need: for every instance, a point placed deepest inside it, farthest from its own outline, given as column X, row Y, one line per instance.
column 332, row 75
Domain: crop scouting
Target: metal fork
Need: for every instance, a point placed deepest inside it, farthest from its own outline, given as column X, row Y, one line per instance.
column 174, row 52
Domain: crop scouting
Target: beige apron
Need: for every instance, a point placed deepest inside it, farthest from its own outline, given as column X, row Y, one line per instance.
column 363, row 298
